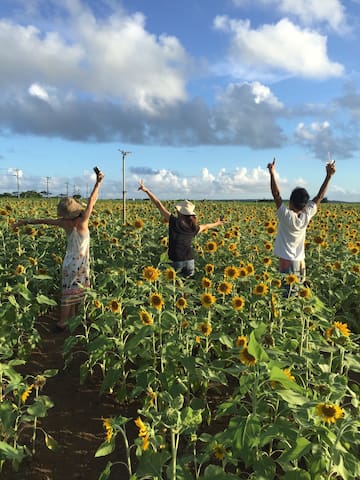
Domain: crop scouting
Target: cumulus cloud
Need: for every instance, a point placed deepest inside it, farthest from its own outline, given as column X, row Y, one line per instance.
column 308, row 12
column 98, row 56
column 242, row 114
column 311, row 12
column 320, row 138
column 239, row 183
column 281, row 47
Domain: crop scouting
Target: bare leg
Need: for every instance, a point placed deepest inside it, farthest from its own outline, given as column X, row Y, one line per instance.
column 66, row 312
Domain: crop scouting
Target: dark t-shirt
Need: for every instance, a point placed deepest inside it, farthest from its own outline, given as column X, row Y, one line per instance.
column 180, row 240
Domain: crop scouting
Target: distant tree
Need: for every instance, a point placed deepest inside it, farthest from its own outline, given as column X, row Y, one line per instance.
column 30, row 194
column 324, row 200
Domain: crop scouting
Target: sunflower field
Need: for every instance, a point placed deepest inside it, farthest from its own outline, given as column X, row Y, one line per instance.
column 233, row 379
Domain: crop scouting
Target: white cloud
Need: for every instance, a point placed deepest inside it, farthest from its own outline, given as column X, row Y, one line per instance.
column 264, row 94
column 308, row 12
column 106, row 58
column 309, row 133
column 312, row 12
column 36, row 90
column 283, row 47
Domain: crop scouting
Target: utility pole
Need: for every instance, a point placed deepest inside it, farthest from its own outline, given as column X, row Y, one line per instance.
column 17, row 175
column 123, row 153
column 67, row 188
column 47, row 186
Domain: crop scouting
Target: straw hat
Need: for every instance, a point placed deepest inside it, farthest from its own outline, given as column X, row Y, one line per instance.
column 68, row 207
column 186, row 208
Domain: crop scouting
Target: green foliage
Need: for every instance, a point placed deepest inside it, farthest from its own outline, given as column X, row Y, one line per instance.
column 266, row 391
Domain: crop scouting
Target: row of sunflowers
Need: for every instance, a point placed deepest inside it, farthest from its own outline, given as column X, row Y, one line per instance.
column 233, row 380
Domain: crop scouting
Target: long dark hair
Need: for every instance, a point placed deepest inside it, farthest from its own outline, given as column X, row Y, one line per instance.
column 189, row 221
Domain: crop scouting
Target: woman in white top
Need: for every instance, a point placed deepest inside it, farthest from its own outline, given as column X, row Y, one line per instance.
column 74, row 219
column 293, row 222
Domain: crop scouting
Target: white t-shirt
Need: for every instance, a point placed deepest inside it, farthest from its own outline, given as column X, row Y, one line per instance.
column 290, row 239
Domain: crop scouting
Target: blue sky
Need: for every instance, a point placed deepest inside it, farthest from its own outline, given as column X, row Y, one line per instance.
column 204, row 93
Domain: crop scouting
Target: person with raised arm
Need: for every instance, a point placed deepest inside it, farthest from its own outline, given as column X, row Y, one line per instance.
column 182, row 229
column 293, row 222
column 74, row 219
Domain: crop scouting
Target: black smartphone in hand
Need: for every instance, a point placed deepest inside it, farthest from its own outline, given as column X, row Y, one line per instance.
column 96, row 170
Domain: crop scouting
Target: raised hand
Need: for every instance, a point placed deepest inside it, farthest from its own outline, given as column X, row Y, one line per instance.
column 330, row 168
column 271, row 166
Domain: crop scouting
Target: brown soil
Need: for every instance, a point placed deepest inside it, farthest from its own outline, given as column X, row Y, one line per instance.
column 75, row 421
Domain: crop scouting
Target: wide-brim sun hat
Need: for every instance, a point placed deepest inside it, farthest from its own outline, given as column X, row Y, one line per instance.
column 68, row 207
column 185, row 208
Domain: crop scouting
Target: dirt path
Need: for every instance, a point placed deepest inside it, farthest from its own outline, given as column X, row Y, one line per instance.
column 74, row 422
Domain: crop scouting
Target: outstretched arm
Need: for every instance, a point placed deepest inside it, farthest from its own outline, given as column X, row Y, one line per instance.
column 330, row 170
column 164, row 211
column 37, row 221
column 273, row 184
column 207, row 226
column 92, row 199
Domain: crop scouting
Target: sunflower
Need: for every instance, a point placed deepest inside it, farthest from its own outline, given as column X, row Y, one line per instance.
column 33, row 261
column 328, row 412
column 337, row 327
column 207, row 300
column 181, row 303
column 141, row 426
column 356, row 268
column 224, row 288
column 184, row 324
column 138, row 224
column 143, row 433
column 287, row 372
column 146, row 317
column 115, row 241
column 319, row 240
column 211, row 247
column 115, row 306
column 219, row 451
column 97, row 303
column 250, row 269
column 206, row 282
column 243, row 272
column 156, row 301
column 336, row 265
column 145, row 443
column 238, row 303
column 108, row 428
column 209, row 268
column 26, row 393
column 276, row 282
column 261, row 289
column 271, row 230
column 291, row 279
column 150, row 274
column 267, row 246
column 231, row 272
column 267, row 261
column 305, row 292
column 232, row 247
column 241, row 341
column 246, row 358
column 164, row 241
column 354, row 250
column 20, row 269
column 205, row 328
column 170, row 274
